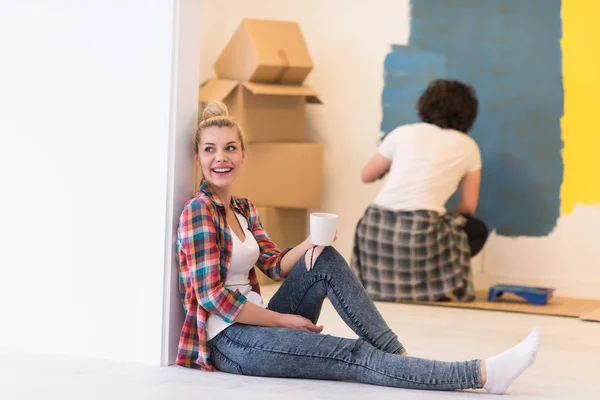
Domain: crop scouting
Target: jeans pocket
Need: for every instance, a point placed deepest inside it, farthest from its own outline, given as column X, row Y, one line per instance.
column 224, row 364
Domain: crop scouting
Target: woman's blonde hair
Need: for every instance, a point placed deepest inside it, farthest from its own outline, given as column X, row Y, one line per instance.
column 215, row 113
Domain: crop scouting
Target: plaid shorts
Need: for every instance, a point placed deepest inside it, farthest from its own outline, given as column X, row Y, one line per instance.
column 412, row 255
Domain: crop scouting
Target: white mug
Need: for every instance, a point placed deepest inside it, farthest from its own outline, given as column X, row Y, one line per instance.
column 322, row 228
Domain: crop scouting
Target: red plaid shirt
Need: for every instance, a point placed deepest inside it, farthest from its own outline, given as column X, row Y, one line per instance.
column 204, row 250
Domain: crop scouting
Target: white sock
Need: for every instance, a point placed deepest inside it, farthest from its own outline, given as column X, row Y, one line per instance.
column 504, row 368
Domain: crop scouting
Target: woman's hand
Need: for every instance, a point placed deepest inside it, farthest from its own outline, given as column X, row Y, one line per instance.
column 305, row 248
column 293, row 256
column 310, row 257
column 298, row 322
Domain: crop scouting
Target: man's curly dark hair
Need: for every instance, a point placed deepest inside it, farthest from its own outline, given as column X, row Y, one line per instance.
column 448, row 104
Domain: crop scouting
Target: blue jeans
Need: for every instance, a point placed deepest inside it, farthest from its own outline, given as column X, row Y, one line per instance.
column 373, row 358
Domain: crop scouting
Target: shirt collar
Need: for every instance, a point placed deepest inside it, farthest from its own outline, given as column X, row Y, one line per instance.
column 210, row 193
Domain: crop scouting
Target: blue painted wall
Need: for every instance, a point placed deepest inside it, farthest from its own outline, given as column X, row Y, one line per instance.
column 407, row 71
column 509, row 50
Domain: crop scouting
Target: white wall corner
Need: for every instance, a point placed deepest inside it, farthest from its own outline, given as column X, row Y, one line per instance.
column 183, row 119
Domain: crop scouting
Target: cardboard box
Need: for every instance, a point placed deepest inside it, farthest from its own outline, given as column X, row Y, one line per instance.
column 286, row 228
column 285, row 175
column 266, row 113
column 265, row 51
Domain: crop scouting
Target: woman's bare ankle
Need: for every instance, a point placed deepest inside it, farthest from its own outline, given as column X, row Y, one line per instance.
column 482, row 372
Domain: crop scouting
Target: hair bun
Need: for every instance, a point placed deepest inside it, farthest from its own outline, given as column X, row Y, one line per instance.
column 214, row 108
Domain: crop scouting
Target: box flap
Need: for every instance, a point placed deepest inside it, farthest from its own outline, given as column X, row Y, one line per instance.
column 216, row 89
column 282, row 90
column 238, row 60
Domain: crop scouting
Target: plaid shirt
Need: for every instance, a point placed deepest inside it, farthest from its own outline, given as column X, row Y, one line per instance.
column 204, row 248
column 412, row 255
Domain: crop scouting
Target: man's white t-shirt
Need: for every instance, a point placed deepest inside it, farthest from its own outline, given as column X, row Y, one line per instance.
column 428, row 164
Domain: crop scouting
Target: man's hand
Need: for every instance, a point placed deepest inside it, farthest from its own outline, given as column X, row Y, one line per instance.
column 298, row 322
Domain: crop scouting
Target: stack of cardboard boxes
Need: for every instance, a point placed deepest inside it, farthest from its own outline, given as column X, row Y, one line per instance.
column 259, row 76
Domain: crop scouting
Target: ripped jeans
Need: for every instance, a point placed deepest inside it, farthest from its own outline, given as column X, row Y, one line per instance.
column 373, row 358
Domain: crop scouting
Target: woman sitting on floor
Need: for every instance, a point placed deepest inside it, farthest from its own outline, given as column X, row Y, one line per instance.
column 228, row 327
column 407, row 247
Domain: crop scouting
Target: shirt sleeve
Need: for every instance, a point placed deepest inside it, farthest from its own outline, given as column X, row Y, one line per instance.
column 388, row 145
column 270, row 257
column 198, row 240
column 474, row 159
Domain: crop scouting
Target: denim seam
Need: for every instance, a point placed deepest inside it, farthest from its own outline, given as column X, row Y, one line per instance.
column 341, row 300
column 342, row 360
column 316, row 279
column 326, row 278
column 350, row 315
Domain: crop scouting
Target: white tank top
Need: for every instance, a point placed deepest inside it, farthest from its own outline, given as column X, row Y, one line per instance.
column 243, row 257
